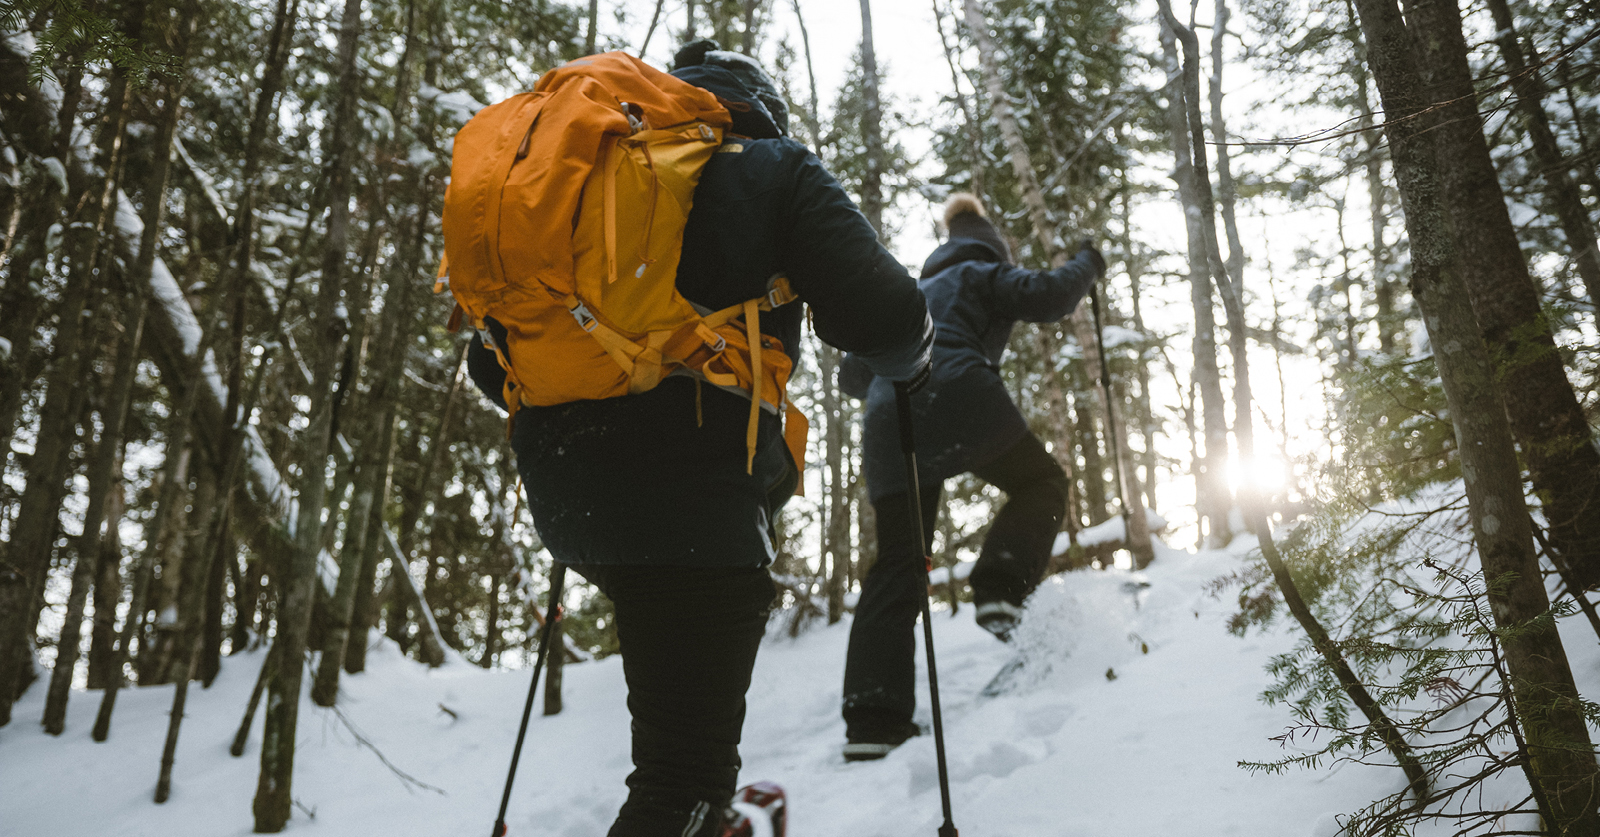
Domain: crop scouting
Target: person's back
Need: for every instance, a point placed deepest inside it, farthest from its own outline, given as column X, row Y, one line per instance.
column 963, row 421
column 653, row 496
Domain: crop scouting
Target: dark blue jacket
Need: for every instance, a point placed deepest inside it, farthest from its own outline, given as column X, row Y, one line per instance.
column 659, row 477
column 964, row 417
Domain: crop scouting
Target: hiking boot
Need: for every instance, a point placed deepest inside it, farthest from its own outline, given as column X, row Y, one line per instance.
column 999, row 618
column 875, row 742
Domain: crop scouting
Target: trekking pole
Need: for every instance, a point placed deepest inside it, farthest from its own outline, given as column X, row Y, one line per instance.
column 908, row 446
column 1111, row 414
column 558, row 578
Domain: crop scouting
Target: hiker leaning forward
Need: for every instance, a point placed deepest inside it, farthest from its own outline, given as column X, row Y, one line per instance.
column 647, row 495
column 964, row 422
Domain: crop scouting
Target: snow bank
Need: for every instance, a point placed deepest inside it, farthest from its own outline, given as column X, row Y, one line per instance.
column 1135, row 708
column 1110, row 532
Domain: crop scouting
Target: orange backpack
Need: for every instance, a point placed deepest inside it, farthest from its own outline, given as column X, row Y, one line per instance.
column 564, row 222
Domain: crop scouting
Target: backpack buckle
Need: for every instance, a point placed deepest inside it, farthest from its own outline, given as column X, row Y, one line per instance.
column 584, row 316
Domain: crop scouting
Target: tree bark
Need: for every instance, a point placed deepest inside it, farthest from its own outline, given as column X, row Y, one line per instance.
column 273, row 801
column 108, row 588
column 1562, row 763
column 102, row 476
column 871, row 125
column 1546, row 418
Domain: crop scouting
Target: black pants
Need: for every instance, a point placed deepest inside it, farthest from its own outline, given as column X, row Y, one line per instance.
column 880, row 667
column 689, row 637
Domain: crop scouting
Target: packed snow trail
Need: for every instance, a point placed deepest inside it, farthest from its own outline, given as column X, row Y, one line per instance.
column 1097, row 737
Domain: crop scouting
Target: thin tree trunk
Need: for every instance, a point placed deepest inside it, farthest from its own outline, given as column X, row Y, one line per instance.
column 1138, row 528
column 1230, row 273
column 655, row 18
column 1389, row 321
column 968, row 118
column 590, row 34
column 191, row 613
column 871, row 125
column 1546, row 418
column 102, row 476
column 1559, row 191
column 108, row 588
column 1213, row 499
column 813, row 115
column 835, row 530
column 274, row 799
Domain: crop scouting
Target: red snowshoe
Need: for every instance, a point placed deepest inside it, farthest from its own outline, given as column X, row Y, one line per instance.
column 757, row 810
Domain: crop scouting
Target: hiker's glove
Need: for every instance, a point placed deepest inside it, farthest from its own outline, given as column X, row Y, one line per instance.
column 1087, row 250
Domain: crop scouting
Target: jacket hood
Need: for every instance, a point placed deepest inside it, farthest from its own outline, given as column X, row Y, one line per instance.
column 958, row 250
column 750, row 117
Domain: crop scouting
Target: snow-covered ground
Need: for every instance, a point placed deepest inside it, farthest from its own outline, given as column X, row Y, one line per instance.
column 1129, row 718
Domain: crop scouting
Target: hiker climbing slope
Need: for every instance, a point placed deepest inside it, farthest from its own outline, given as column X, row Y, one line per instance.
column 964, row 421
column 664, row 495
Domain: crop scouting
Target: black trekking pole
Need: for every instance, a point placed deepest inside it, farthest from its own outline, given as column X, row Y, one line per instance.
column 908, row 446
column 1111, row 416
column 558, row 578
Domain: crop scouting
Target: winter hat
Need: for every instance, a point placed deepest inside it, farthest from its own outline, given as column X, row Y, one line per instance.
column 965, row 217
column 745, row 69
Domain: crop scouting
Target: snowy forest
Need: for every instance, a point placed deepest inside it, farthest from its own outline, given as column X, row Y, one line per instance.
column 1334, row 521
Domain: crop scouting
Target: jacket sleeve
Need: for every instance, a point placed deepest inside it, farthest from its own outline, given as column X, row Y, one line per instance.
column 855, row 377
column 1042, row 296
column 862, row 300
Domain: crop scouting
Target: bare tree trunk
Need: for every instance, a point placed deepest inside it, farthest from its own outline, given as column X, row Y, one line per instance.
column 590, row 34
column 1389, row 320
column 191, row 606
column 813, row 115
column 836, row 526
column 974, row 130
column 1562, row 767
column 1138, row 528
column 1230, row 273
column 871, row 125
column 655, row 18
column 108, row 588
column 1559, row 191
column 1546, row 418
column 107, row 457
column 1213, row 499
column 273, row 802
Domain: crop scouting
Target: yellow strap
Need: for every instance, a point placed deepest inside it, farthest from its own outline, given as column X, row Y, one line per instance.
column 752, row 328
column 443, row 275
column 610, row 208
column 778, row 293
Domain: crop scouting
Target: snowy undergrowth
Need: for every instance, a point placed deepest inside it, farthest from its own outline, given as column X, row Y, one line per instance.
column 1068, row 751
